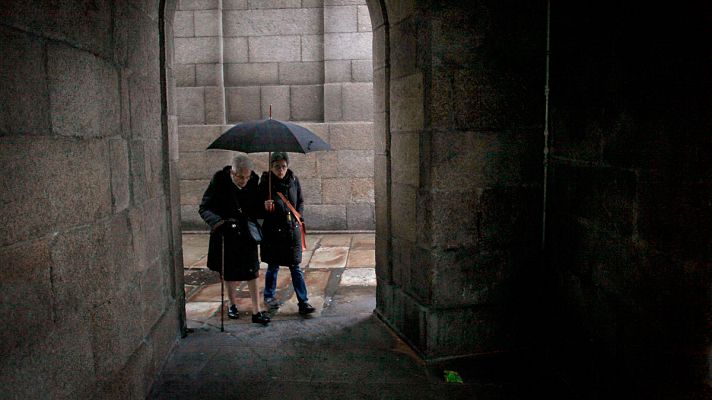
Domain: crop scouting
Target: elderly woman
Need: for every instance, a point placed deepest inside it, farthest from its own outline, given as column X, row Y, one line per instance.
column 229, row 202
column 282, row 237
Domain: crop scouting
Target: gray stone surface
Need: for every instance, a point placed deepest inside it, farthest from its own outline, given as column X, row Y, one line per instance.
column 360, row 216
column 191, row 191
column 234, row 4
column 327, row 164
column 333, row 105
column 307, row 103
column 337, row 71
column 312, row 3
column 362, row 70
column 407, row 103
column 119, row 158
column 274, row 48
column 351, row 136
column 145, row 95
column 362, row 190
column 197, row 4
column 84, row 93
column 403, row 212
column 183, row 24
column 208, row 74
column 272, row 22
column 364, row 19
column 334, row 190
column 251, row 74
column 355, row 163
column 202, row 165
column 191, row 105
column 259, row 4
column 301, row 73
column 304, row 165
column 24, row 98
column 405, row 156
column 207, row 23
column 347, row 46
column 325, row 217
column 198, row 137
column 278, row 97
column 197, row 50
column 312, row 48
column 214, row 105
column 358, row 101
column 311, row 189
column 340, row 19
column 235, row 50
column 184, row 75
column 379, row 48
column 243, row 103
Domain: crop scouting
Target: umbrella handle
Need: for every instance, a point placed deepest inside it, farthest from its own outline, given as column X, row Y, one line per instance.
column 269, row 170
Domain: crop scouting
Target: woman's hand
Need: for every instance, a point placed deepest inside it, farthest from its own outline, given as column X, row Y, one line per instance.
column 269, row 205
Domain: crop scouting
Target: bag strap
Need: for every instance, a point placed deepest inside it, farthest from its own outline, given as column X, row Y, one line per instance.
column 299, row 219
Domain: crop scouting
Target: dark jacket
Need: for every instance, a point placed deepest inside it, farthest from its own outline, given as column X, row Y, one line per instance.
column 282, row 242
column 224, row 200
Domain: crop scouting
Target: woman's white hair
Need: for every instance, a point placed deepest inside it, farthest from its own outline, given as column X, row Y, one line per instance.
column 242, row 161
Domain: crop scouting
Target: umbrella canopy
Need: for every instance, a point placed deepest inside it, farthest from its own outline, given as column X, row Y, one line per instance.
column 269, row 135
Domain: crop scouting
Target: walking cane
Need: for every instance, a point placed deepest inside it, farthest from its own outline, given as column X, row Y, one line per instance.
column 222, row 284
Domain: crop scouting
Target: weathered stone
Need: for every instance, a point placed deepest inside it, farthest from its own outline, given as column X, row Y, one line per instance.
column 360, row 216
column 327, row 164
column 243, row 103
column 273, row 22
column 333, row 105
column 351, row 136
column 379, row 133
column 403, row 212
column 143, row 47
column 301, row 73
column 379, row 48
column 337, row 71
column 251, row 74
column 347, row 46
column 333, row 191
column 274, row 48
column 364, row 19
column 119, row 156
column 198, row 4
column 24, row 98
column 312, row 3
column 362, row 70
column 185, row 75
column 446, row 338
column 358, row 101
column 207, row 23
column 259, row 4
column 355, row 163
column 199, row 50
column 379, row 90
column 214, row 105
column 303, row 164
column 152, row 301
column 278, row 98
column 407, row 103
column 191, row 105
column 183, row 24
column 198, row 138
column 203, row 165
column 320, row 128
column 234, row 4
column 325, row 217
column 340, row 19
column 173, row 146
column 235, row 50
column 145, row 99
column 84, row 93
column 362, row 190
column 405, row 155
column 312, row 48
column 342, row 2
column 208, row 74
column 307, row 102
column 190, row 219
column 404, row 55
column 311, row 189
column 52, row 168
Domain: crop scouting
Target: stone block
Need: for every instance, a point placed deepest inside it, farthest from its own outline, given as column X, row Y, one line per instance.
column 185, row 75
column 364, row 19
column 172, row 131
column 24, row 99
column 351, row 136
column 261, row 4
column 404, row 49
column 305, row 21
column 407, row 103
column 327, row 164
column 312, row 48
column 355, row 163
column 207, row 23
column 274, row 48
column 243, row 103
column 337, row 71
column 379, row 90
column 362, row 70
column 145, row 99
column 360, row 216
column 405, row 156
column 214, row 105
column 342, row 2
column 403, row 212
column 312, row 3
column 304, row 165
column 325, row 217
column 198, row 137
column 235, row 50
column 332, row 190
column 119, row 158
column 84, row 93
column 379, row 133
column 208, row 74
column 362, row 190
column 301, row 73
column 307, row 103
column 64, row 181
column 347, row 46
column 278, row 97
column 340, row 19
column 142, row 56
column 152, row 301
column 234, row 4
column 146, row 169
column 26, row 290
column 202, row 166
column 198, row 4
column 191, row 105
column 199, row 50
column 126, row 103
column 476, row 331
column 251, row 74
column 333, row 105
column 190, row 219
column 311, row 190
column 183, row 24
column 357, row 101
column 379, row 48
column 320, row 128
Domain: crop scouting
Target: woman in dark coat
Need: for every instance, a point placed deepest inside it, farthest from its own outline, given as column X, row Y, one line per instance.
column 229, row 201
column 282, row 236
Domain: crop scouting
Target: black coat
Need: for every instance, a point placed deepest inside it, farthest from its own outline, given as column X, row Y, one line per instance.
column 282, row 239
column 224, row 200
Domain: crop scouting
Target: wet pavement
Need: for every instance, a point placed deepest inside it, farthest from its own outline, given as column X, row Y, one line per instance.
column 342, row 351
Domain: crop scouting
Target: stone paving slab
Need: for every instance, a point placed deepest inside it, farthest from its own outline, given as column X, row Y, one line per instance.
column 335, row 240
column 359, row 277
column 329, row 257
column 361, row 258
column 363, row 242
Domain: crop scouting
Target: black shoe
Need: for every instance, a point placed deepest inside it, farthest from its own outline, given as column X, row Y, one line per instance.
column 306, row 308
column 261, row 318
column 272, row 303
column 232, row 312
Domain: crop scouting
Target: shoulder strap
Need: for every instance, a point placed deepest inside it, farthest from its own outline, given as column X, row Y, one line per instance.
column 299, row 220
